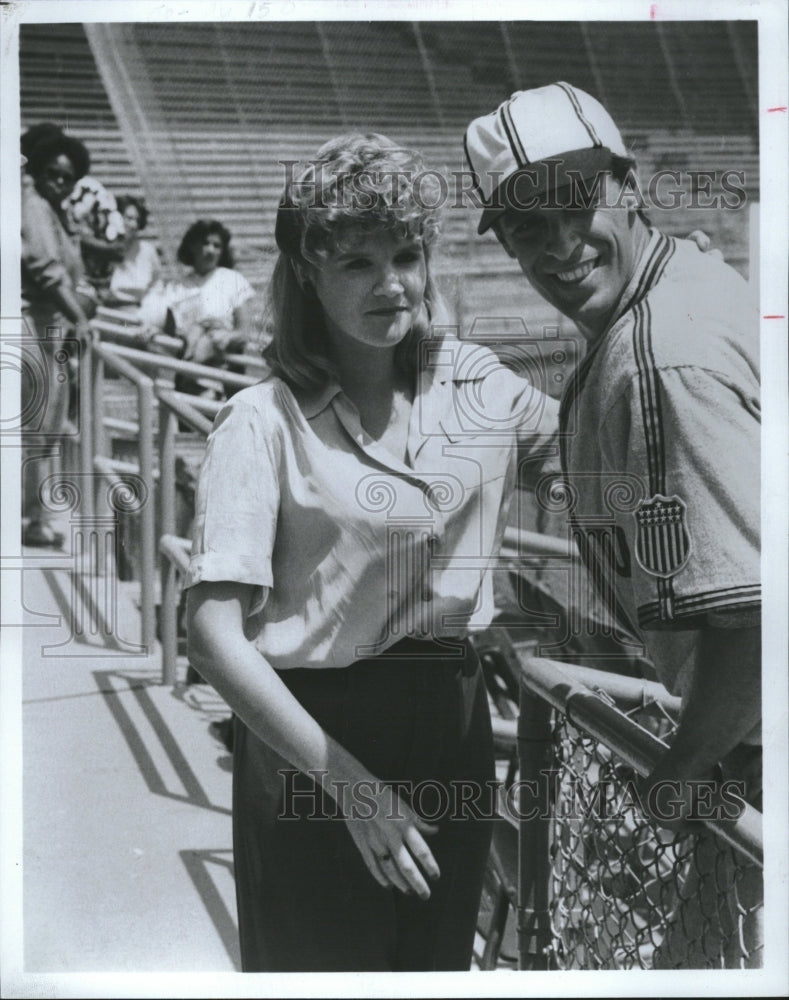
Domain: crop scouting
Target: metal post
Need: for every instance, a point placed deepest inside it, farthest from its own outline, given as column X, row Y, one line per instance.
column 535, row 756
column 147, row 516
column 169, row 610
column 99, row 442
column 86, row 404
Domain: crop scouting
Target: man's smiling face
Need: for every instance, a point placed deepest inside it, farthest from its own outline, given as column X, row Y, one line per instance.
column 579, row 259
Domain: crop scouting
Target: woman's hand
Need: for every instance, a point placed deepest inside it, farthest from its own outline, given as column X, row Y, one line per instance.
column 390, row 838
column 387, row 832
column 144, row 336
column 222, row 338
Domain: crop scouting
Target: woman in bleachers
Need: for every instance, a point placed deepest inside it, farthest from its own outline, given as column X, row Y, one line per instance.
column 208, row 307
column 138, row 272
column 52, row 305
column 347, row 511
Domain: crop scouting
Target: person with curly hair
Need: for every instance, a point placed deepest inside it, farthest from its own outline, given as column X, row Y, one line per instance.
column 207, row 307
column 52, row 307
column 348, row 509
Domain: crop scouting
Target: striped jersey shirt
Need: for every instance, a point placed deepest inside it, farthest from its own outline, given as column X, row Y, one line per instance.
column 661, row 454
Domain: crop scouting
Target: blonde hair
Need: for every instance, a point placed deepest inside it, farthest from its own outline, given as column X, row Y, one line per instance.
column 357, row 184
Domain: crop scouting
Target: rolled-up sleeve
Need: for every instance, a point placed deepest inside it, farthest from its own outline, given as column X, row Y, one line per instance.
column 41, row 251
column 237, row 501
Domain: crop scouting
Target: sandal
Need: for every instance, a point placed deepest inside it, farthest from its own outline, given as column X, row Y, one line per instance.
column 40, row 535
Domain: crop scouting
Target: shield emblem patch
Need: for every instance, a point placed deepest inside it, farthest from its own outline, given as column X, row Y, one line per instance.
column 662, row 539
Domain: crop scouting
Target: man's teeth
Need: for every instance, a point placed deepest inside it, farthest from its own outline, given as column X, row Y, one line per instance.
column 577, row 273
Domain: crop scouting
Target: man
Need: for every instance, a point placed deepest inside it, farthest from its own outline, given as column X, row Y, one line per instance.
column 660, row 424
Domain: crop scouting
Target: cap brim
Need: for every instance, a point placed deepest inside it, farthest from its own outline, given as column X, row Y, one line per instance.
column 525, row 186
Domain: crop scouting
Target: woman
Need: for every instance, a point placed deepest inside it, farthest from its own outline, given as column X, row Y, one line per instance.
column 140, row 268
column 52, row 273
column 346, row 514
column 208, row 307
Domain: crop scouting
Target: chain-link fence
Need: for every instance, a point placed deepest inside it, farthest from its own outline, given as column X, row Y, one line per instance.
column 600, row 886
column 626, row 894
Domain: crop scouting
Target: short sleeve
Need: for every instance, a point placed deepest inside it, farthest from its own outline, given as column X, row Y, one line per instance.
column 242, row 291
column 537, row 433
column 237, row 501
column 152, row 262
column 692, row 436
column 41, row 256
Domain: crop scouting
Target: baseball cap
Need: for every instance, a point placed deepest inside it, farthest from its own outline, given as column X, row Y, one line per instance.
column 536, row 142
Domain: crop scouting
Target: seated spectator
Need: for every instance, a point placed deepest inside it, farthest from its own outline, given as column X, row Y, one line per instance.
column 207, row 307
column 140, row 268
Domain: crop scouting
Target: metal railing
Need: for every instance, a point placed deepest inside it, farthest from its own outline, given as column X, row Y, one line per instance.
column 141, row 368
column 599, row 885
column 104, row 355
column 174, row 551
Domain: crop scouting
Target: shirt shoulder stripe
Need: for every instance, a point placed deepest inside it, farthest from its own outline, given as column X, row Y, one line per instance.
column 649, row 391
column 726, row 598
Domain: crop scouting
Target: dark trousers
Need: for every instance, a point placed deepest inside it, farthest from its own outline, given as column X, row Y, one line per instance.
column 306, row 901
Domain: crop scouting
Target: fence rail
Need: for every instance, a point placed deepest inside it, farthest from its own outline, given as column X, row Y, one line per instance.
column 151, row 376
column 599, row 885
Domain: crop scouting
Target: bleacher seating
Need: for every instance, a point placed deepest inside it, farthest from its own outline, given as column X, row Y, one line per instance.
column 237, row 98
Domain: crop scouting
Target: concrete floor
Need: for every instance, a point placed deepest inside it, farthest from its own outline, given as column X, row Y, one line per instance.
column 127, row 833
column 127, row 794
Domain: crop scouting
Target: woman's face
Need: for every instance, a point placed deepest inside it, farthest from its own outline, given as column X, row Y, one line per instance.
column 56, row 180
column 206, row 253
column 372, row 290
column 131, row 220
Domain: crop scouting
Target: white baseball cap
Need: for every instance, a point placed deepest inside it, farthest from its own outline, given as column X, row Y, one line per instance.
column 537, row 141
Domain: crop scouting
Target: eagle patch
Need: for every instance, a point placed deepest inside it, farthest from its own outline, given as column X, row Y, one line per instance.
column 662, row 539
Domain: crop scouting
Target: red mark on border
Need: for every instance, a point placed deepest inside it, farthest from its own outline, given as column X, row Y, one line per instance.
column 777, row 109
column 653, row 11
column 773, row 317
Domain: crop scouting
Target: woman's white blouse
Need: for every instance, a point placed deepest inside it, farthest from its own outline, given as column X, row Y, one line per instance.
column 350, row 549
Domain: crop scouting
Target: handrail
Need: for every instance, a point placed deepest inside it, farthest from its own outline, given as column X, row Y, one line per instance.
column 176, row 401
column 199, row 403
column 86, row 414
column 175, row 406
column 518, row 542
column 163, row 361
column 105, row 354
column 636, row 747
column 126, row 330
column 132, row 336
column 112, row 355
column 624, row 690
column 250, row 360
